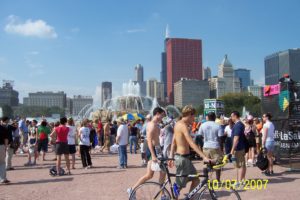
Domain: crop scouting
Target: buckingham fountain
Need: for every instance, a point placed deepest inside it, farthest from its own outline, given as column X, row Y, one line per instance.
column 131, row 101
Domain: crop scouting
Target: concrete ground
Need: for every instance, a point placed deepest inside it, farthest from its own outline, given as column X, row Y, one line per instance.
column 104, row 181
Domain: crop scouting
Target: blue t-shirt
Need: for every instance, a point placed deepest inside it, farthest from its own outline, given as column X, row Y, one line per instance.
column 238, row 130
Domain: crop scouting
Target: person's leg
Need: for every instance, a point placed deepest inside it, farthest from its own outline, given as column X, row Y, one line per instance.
column 58, row 163
column 135, row 143
column 146, row 177
column 88, row 157
column 270, row 158
column 130, row 141
column 67, row 162
column 82, row 155
column 2, row 163
column 120, row 156
column 125, row 155
column 9, row 155
column 73, row 160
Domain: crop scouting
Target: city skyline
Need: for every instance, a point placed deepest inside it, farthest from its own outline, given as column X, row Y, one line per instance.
column 44, row 50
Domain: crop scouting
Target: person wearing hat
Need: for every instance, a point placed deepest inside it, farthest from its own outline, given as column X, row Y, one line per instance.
column 122, row 141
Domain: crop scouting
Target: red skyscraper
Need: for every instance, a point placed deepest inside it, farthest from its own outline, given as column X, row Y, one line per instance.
column 184, row 60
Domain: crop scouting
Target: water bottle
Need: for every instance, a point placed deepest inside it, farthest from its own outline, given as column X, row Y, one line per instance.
column 176, row 190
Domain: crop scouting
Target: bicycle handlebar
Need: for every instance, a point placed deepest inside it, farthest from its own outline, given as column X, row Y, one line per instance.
column 225, row 160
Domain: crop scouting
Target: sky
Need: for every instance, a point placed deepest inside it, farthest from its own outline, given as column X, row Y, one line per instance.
column 74, row 45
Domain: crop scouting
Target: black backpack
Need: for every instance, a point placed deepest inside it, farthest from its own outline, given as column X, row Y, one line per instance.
column 53, row 172
column 262, row 161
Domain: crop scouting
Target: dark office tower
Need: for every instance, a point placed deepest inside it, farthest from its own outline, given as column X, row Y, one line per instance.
column 280, row 63
column 206, row 73
column 244, row 76
column 139, row 73
column 184, row 60
column 106, row 91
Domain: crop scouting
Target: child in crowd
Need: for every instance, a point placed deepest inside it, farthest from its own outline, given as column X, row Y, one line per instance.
column 143, row 151
column 32, row 144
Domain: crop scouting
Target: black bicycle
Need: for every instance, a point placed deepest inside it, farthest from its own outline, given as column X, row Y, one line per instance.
column 157, row 191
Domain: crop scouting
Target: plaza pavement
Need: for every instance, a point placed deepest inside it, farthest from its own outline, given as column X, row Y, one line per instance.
column 106, row 182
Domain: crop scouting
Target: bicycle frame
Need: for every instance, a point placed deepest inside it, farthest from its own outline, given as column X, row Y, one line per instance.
column 190, row 194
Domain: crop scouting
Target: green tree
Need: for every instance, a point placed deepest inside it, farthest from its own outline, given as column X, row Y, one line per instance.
column 236, row 101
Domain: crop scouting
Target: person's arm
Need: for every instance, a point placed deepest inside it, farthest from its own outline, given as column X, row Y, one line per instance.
column 192, row 144
column 265, row 135
column 150, row 132
column 118, row 135
column 235, row 143
column 172, row 150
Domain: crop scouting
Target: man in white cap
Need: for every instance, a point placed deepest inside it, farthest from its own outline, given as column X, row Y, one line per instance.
column 122, row 141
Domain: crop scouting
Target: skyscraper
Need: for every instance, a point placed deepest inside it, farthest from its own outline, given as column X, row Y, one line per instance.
column 106, row 91
column 184, row 60
column 206, row 73
column 8, row 96
column 139, row 78
column 155, row 89
column 280, row 63
column 226, row 82
column 139, row 73
column 244, row 76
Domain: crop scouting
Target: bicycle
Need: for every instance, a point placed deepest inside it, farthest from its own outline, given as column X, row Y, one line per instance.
column 157, row 191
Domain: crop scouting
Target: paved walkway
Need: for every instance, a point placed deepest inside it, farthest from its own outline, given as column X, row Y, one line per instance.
column 105, row 181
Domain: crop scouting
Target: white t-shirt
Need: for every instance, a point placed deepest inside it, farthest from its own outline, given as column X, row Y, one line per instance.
column 122, row 133
column 228, row 130
column 271, row 130
column 71, row 135
column 210, row 131
column 84, row 136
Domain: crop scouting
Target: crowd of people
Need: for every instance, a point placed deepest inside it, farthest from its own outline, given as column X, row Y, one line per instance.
column 154, row 137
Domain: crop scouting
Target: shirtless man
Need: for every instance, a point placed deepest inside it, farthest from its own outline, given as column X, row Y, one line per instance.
column 182, row 141
column 153, row 132
column 106, row 136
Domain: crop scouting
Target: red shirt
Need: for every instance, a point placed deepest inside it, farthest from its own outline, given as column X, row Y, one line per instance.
column 62, row 133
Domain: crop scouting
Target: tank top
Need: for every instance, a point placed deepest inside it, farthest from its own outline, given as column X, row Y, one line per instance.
column 62, row 133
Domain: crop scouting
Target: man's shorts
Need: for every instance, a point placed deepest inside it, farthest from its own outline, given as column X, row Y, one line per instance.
column 24, row 138
column 61, row 148
column 43, row 145
column 214, row 154
column 184, row 166
column 240, row 159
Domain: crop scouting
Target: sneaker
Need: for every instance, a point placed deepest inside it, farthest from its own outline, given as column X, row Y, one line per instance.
column 21, row 152
column 120, row 167
column 9, row 169
column 27, row 164
column 272, row 172
column 130, row 195
column 5, row 181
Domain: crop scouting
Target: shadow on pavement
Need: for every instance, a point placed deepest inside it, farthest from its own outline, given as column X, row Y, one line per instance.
column 52, row 180
column 103, row 172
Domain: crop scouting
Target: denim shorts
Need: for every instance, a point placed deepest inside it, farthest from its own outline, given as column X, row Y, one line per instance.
column 270, row 146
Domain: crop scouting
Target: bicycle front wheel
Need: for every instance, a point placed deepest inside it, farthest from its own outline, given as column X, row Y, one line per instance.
column 222, row 193
column 150, row 191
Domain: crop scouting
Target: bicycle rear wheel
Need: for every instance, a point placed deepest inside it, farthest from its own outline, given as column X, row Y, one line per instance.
column 220, row 194
column 150, row 191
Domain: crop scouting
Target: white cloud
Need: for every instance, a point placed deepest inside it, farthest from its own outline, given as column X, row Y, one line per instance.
column 2, row 60
column 135, row 30
column 30, row 28
column 75, row 30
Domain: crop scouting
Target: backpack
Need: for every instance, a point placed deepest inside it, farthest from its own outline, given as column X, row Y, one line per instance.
column 53, row 172
column 262, row 161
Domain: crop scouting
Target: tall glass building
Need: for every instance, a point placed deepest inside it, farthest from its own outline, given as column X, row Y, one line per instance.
column 280, row 63
column 244, row 76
